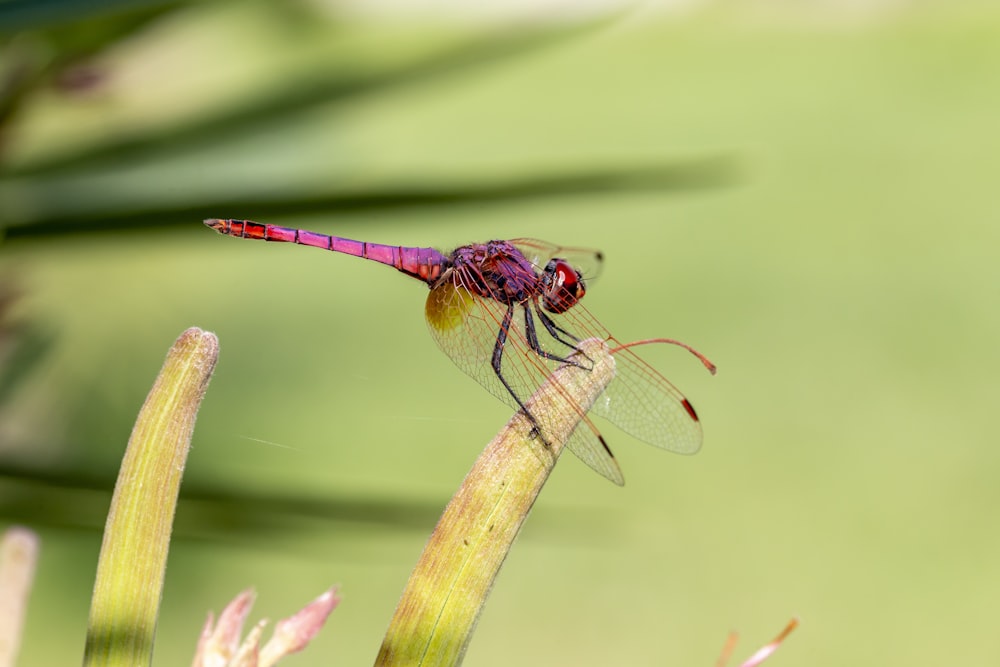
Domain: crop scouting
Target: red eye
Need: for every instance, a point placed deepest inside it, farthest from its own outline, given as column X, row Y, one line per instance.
column 562, row 286
column 566, row 277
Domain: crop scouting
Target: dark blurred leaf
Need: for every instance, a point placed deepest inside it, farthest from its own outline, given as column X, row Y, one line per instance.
column 16, row 15
column 295, row 94
column 693, row 174
column 20, row 356
column 22, row 346
column 71, row 500
column 57, row 54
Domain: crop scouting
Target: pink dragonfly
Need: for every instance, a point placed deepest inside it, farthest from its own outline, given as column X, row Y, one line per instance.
column 507, row 313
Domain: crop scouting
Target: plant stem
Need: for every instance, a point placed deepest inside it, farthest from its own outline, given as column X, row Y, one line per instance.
column 449, row 585
column 133, row 559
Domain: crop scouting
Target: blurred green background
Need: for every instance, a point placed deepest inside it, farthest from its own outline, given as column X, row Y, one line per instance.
column 805, row 193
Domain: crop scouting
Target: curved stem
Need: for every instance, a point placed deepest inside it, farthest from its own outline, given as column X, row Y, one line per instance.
column 129, row 583
column 450, row 583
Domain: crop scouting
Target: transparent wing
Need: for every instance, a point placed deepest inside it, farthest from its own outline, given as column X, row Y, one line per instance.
column 466, row 326
column 588, row 446
column 586, row 260
column 640, row 401
column 646, row 405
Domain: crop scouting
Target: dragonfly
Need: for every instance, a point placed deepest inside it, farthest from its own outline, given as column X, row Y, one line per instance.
column 508, row 313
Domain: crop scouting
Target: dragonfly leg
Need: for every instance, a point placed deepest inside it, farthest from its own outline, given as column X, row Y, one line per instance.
column 496, row 363
column 532, row 335
column 554, row 329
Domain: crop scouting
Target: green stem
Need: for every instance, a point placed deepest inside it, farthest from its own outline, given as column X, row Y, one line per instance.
column 449, row 585
column 133, row 557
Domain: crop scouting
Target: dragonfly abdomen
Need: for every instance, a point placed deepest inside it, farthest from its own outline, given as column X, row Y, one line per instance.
column 427, row 264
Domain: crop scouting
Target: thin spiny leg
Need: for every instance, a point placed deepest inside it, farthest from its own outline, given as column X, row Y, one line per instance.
column 532, row 336
column 554, row 331
column 498, row 368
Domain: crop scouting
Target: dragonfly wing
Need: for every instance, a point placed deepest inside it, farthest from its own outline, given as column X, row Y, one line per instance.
column 590, row 448
column 586, row 260
column 640, row 401
column 647, row 406
column 465, row 326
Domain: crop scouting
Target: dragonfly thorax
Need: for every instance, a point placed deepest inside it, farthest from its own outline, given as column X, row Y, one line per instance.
column 496, row 270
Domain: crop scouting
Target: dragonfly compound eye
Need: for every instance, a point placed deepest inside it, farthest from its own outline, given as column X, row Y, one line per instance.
column 562, row 286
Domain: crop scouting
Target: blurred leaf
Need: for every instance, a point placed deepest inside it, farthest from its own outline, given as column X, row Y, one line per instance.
column 22, row 346
column 599, row 180
column 18, row 15
column 210, row 510
column 73, row 499
column 20, row 356
column 302, row 91
column 56, row 53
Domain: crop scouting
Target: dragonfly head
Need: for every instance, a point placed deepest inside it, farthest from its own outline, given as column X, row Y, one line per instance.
column 562, row 286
